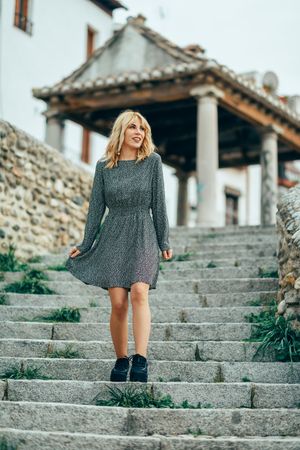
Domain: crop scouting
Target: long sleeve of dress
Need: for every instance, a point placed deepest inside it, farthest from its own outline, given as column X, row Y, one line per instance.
column 96, row 210
column 158, row 206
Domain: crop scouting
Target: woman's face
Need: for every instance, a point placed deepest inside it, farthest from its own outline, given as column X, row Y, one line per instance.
column 134, row 134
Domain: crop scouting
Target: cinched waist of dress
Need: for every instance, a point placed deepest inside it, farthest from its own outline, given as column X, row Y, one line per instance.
column 128, row 210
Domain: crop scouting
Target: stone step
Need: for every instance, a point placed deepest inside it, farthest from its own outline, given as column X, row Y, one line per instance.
column 211, row 395
column 265, row 262
column 197, row 255
column 101, row 331
column 101, row 298
column 218, row 246
column 160, row 350
column 188, row 371
column 159, row 314
column 194, row 273
column 148, row 421
column 35, row 440
column 180, row 286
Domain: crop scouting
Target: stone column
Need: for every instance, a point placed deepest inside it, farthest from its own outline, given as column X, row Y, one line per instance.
column 207, row 159
column 269, row 174
column 55, row 128
column 182, row 197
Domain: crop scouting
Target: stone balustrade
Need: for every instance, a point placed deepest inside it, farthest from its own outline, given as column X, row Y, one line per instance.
column 288, row 226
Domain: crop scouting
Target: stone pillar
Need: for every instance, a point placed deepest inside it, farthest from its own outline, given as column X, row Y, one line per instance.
column 182, row 198
column 207, row 159
column 269, row 174
column 55, row 128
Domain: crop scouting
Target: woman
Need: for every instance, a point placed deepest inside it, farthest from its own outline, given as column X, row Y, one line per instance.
column 125, row 254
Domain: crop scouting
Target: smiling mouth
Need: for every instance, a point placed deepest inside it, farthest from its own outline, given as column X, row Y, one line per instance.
column 137, row 139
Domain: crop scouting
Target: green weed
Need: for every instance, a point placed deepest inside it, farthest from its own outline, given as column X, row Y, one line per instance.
column 64, row 314
column 9, row 262
column 3, row 299
column 211, row 265
column 32, row 283
column 141, row 397
column 275, row 333
column 264, row 273
column 197, row 432
column 67, row 353
column 246, row 379
column 6, row 445
column 34, row 259
column 18, row 373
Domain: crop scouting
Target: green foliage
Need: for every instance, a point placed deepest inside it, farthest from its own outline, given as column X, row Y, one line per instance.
column 34, row 259
column 9, row 262
column 6, row 445
column 93, row 304
column 18, row 373
column 276, row 333
column 30, row 284
column 211, row 265
column 36, row 274
column 3, row 299
column 67, row 353
column 141, row 397
column 64, row 314
column 58, row 268
column 264, row 273
column 197, row 432
column 246, row 379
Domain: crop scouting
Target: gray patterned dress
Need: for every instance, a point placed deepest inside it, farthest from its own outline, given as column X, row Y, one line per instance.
column 126, row 247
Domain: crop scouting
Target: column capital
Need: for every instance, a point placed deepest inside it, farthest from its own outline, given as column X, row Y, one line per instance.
column 271, row 128
column 207, row 90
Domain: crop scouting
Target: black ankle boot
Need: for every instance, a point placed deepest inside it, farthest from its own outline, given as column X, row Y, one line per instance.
column 120, row 370
column 139, row 368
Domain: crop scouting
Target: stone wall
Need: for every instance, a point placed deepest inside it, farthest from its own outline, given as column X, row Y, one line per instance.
column 288, row 225
column 43, row 196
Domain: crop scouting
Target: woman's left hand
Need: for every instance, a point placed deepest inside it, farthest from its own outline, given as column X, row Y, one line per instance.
column 167, row 254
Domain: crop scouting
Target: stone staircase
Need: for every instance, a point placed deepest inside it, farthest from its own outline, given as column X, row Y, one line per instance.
column 196, row 353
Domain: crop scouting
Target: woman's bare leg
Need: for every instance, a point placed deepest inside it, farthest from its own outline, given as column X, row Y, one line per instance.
column 119, row 320
column 141, row 316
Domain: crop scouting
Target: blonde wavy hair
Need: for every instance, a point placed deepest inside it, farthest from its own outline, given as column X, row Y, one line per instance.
column 117, row 134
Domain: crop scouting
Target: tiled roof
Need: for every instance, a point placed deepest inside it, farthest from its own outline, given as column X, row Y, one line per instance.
column 175, row 62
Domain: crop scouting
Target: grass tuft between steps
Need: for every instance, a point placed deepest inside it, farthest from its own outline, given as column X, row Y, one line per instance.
column 9, row 261
column 68, row 353
column 143, row 397
column 19, row 373
column 65, row 314
column 3, row 299
column 6, row 445
column 276, row 334
column 32, row 283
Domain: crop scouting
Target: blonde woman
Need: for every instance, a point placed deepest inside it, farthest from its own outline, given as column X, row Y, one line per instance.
column 125, row 254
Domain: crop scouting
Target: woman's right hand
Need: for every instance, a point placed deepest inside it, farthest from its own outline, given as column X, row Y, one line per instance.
column 74, row 252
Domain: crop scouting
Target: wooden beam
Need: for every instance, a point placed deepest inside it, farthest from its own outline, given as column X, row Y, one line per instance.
column 257, row 117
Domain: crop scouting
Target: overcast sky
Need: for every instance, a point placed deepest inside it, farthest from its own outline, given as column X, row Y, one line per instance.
column 244, row 35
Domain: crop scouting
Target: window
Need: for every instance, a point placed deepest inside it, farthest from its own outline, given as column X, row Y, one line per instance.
column 232, row 206
column 22, row 15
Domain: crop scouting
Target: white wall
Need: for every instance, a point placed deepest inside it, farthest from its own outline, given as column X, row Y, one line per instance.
column 55, row 49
